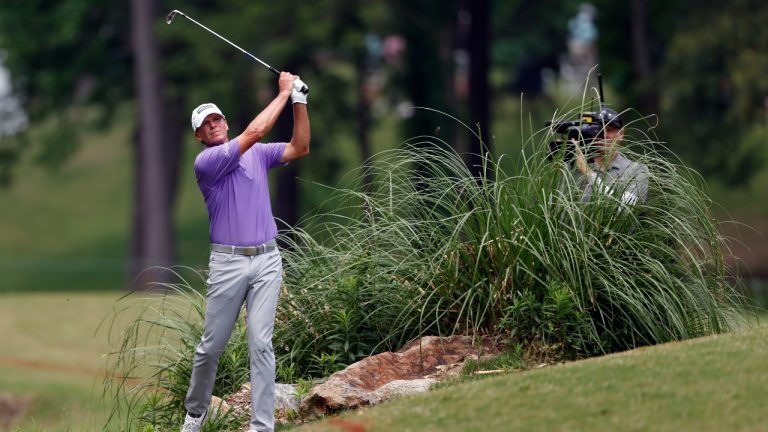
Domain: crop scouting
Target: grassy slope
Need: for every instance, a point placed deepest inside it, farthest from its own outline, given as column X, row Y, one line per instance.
column 53, row 352
column 710, row 384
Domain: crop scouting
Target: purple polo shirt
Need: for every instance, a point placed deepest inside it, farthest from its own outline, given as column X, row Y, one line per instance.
column 236, row 192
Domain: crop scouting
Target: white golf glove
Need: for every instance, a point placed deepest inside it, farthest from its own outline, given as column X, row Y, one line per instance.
column 296, row 95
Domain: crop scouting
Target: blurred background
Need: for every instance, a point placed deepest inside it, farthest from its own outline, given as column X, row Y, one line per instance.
column 96, row 149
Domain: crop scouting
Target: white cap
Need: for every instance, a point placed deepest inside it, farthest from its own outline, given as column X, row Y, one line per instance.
column 200, row 113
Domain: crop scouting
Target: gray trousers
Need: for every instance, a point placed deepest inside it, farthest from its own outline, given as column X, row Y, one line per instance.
column 234, row 280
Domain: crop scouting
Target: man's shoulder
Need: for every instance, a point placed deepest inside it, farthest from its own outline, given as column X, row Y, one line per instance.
column 225, row 150
column 624, row 163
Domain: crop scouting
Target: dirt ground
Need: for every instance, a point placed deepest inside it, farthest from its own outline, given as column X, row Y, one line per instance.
column 12, row 408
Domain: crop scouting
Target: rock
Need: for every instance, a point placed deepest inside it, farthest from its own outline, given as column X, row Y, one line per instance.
column 357, row 385
column 241, row 401
column 219, row 407
column 400, row 387
column 286, row 401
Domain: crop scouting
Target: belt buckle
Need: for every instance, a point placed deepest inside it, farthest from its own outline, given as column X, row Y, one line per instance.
column 253, row 250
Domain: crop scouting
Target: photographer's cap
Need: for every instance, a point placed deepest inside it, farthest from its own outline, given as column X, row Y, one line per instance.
column 609, row 116
column 201, row 112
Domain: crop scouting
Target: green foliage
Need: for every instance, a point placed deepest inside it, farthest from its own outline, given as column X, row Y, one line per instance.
column 506, row 361
column 77, row 56
column 551, row 315
column 713, row 100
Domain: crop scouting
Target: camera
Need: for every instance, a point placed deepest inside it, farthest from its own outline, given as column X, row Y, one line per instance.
column 589, row 127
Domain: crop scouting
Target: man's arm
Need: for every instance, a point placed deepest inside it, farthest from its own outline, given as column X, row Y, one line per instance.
column 299, row 145
column 635, row 192
column 266, row 119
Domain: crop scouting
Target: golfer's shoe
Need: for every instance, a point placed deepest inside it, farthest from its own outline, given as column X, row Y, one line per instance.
column 194, row 424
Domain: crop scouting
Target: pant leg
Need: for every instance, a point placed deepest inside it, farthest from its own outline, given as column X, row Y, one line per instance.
column 227, row 285
column 261, row 304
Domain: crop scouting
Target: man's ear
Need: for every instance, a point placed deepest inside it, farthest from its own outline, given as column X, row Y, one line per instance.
column 197, row 135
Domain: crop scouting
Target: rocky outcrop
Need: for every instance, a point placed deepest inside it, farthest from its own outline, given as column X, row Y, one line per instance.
column 413, row 369
column 375, row 379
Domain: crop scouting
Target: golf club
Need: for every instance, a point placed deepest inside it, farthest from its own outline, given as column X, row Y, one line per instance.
column 175, row 12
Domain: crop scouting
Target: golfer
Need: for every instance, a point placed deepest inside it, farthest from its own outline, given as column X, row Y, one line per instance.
column 245, row 265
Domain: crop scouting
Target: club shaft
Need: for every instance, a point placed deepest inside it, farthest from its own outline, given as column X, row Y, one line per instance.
column 275, row 71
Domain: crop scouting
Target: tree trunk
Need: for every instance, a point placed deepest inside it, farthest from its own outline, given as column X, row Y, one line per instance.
column 641, row 56
column 479, row 94
column 427, row 71
column 174, row 131
column 153, row 245
column 364, row 119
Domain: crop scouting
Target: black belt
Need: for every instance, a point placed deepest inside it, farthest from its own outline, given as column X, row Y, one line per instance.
column 245, row 250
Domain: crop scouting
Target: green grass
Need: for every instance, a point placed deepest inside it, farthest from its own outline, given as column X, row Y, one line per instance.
column 715, row 383
column 53, row 353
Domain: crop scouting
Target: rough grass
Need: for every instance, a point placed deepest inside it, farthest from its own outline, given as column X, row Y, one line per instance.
column 52, row 353
column 714, row 383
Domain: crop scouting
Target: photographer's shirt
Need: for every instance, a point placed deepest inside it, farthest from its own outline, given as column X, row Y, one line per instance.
column 236, row 192
column 623, row 176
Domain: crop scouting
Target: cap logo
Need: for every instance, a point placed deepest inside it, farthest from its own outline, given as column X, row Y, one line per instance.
column 202, row 108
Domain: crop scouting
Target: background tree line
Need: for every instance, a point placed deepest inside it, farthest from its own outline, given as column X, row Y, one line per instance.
column 700, row 69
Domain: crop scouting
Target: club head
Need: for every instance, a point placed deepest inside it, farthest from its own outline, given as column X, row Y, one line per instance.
column 171, row 15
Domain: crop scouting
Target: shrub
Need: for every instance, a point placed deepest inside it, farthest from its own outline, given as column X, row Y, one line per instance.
column 430, row 249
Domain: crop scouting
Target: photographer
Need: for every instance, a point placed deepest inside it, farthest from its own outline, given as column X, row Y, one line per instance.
column 609, row 169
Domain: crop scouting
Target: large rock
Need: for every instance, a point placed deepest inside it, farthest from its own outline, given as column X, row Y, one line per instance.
column 362, row 383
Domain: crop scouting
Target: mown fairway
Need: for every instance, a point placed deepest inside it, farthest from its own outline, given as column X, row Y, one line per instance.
column 710, row 384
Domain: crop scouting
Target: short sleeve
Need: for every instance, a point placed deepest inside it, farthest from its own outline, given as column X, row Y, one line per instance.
column 213, row 163
column 269, row 154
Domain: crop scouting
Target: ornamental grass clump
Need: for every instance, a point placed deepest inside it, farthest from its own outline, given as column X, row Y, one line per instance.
column 430, row 249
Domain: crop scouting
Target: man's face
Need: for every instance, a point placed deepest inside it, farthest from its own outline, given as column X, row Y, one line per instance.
column 613, row 137
column 213, row 130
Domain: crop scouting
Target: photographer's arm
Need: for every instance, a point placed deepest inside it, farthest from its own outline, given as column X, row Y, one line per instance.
column 629, row 196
